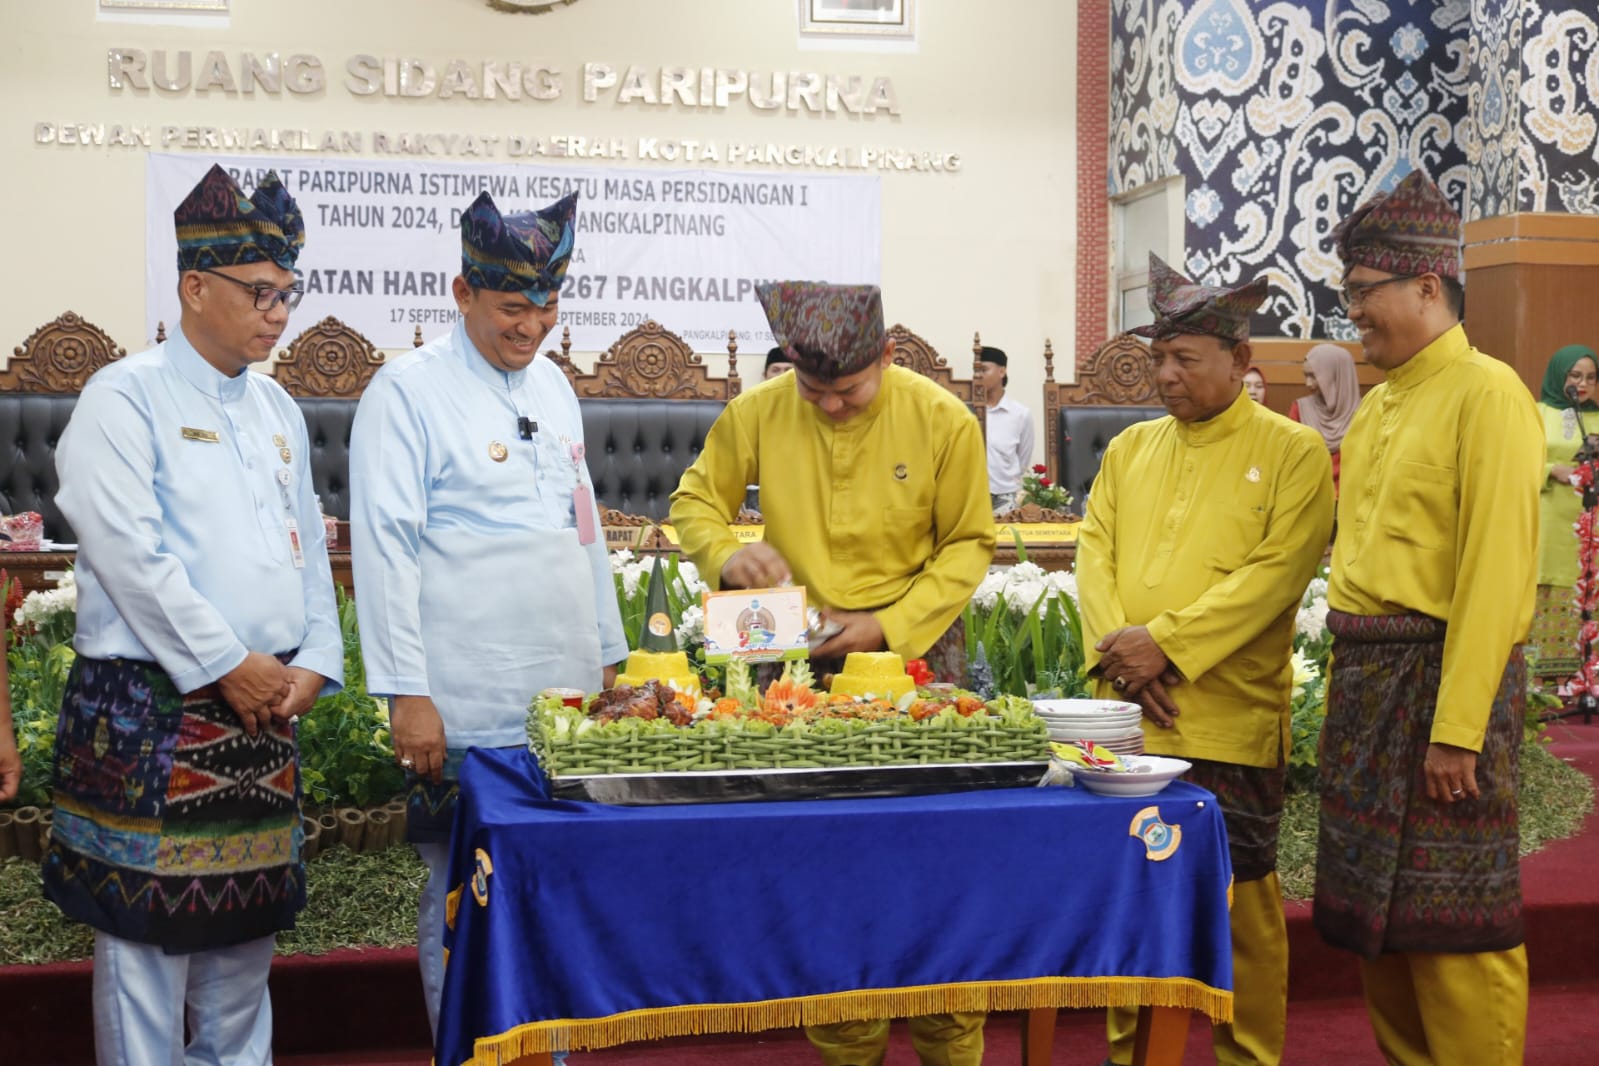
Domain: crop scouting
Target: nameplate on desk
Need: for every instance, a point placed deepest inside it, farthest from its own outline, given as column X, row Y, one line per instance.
column 1039, row 532
column 619, row 537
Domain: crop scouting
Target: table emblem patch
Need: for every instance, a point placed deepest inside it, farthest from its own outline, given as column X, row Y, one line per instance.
column 482, row 867
column 1161, row 841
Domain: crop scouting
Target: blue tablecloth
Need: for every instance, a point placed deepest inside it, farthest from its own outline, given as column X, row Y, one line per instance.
column 580, row 925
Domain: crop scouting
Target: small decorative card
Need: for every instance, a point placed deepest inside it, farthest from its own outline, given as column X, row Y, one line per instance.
column 756, row 625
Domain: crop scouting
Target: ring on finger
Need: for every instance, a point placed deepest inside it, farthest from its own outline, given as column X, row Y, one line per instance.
column 407, row 762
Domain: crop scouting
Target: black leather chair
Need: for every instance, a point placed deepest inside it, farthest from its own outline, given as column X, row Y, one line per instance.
column 327, row 424
column 1085, row 432
column 638, row 449
column 30, row 425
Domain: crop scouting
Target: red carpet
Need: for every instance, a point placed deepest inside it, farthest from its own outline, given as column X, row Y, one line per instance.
column 363, row 1008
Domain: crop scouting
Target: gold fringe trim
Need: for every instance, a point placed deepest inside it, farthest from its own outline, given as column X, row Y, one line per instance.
column 657, row 1023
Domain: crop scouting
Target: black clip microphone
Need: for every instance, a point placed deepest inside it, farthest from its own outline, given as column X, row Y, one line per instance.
column 526, row 427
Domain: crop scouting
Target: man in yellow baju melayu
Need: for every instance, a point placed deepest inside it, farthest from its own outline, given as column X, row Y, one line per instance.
column 1431, row 595
column 1203, row 530
column 875, row 496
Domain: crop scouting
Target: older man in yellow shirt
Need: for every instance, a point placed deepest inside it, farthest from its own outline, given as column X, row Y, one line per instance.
column 1202, row 532
column 1432, row 593
column 875, row 496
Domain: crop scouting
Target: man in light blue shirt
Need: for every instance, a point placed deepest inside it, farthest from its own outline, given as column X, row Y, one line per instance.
column 206, row 625
column 481, row 578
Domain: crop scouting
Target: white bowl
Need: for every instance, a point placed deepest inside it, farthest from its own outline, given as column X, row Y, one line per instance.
column 1145, row 776
column 1076, row 708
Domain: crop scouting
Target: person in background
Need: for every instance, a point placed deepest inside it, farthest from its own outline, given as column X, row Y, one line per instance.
column 777, row 362
column 1431, row 595
column 838, row 446
column 1203, row 530
column 1569, row 385
column 1334, row 395
column 205, row 626
column 481, row 576
column 1255, row 385
column 1009, row 430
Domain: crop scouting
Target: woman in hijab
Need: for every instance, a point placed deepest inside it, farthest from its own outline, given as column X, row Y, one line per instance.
column 1573, row 371
column 1334, row 395
column 1255, row 384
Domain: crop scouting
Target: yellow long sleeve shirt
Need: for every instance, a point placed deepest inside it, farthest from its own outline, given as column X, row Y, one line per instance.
column 887, row 512
column 1208, row 533
column 1439, row 516
column 1559, row 504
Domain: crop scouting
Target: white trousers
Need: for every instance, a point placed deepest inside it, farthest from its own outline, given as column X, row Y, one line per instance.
column 430, row 928
column 140, row 993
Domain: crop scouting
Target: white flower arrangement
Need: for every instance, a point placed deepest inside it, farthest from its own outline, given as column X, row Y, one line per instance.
column 1023, row 586
column 40, row 609
column 1305, row 670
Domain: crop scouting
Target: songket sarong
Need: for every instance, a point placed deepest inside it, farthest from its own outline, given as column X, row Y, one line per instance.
column 1251, row 800
column 1552, row 648
column 173, row 826
column 1396, row 871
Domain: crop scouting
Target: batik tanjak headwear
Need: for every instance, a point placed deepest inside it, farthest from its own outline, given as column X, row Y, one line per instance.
column 219, row 226
column 525, row 252
column 829, row 331
column 1184, row 306
column 1412, row 230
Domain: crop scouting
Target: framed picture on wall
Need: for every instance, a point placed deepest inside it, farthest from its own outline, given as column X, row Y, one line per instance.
column 175, row 6
column 858, row 18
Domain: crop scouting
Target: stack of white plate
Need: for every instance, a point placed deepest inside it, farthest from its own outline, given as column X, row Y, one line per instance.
column 1111, row 723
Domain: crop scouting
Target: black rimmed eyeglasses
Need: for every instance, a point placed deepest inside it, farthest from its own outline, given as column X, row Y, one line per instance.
column 266, row 296
column 1354, row 292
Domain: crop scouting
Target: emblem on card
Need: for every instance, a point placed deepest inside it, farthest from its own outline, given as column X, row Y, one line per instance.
column 498, row 451
column 208, row 435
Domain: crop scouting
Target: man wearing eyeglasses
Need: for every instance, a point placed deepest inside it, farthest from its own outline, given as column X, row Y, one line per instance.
column 206, row 625
column 1432, row 592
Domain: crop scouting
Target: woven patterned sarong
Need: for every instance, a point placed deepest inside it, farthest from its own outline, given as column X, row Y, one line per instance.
column 172, row 826
column 1396, row 871
column 1251, row 799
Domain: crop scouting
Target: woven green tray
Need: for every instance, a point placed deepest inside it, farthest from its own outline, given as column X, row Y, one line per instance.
column 711, row 746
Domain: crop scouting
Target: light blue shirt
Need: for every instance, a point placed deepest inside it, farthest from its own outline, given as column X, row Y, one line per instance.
column 174, row 482
column 471, row 584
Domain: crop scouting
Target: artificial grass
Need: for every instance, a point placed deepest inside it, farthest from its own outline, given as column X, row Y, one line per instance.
column 369, row 899
column 353, row 899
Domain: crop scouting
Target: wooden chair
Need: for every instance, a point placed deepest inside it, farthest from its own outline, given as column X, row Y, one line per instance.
column 329, row 360
column 59, row 357
column 1115, row 388
column 649, row 362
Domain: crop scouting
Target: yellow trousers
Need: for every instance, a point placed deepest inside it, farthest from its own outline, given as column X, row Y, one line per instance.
column 939, row 1039
column 1451, row 1010
column 1260, row 984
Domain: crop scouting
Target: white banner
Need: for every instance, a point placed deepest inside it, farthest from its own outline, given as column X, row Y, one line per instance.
column 684, row 248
